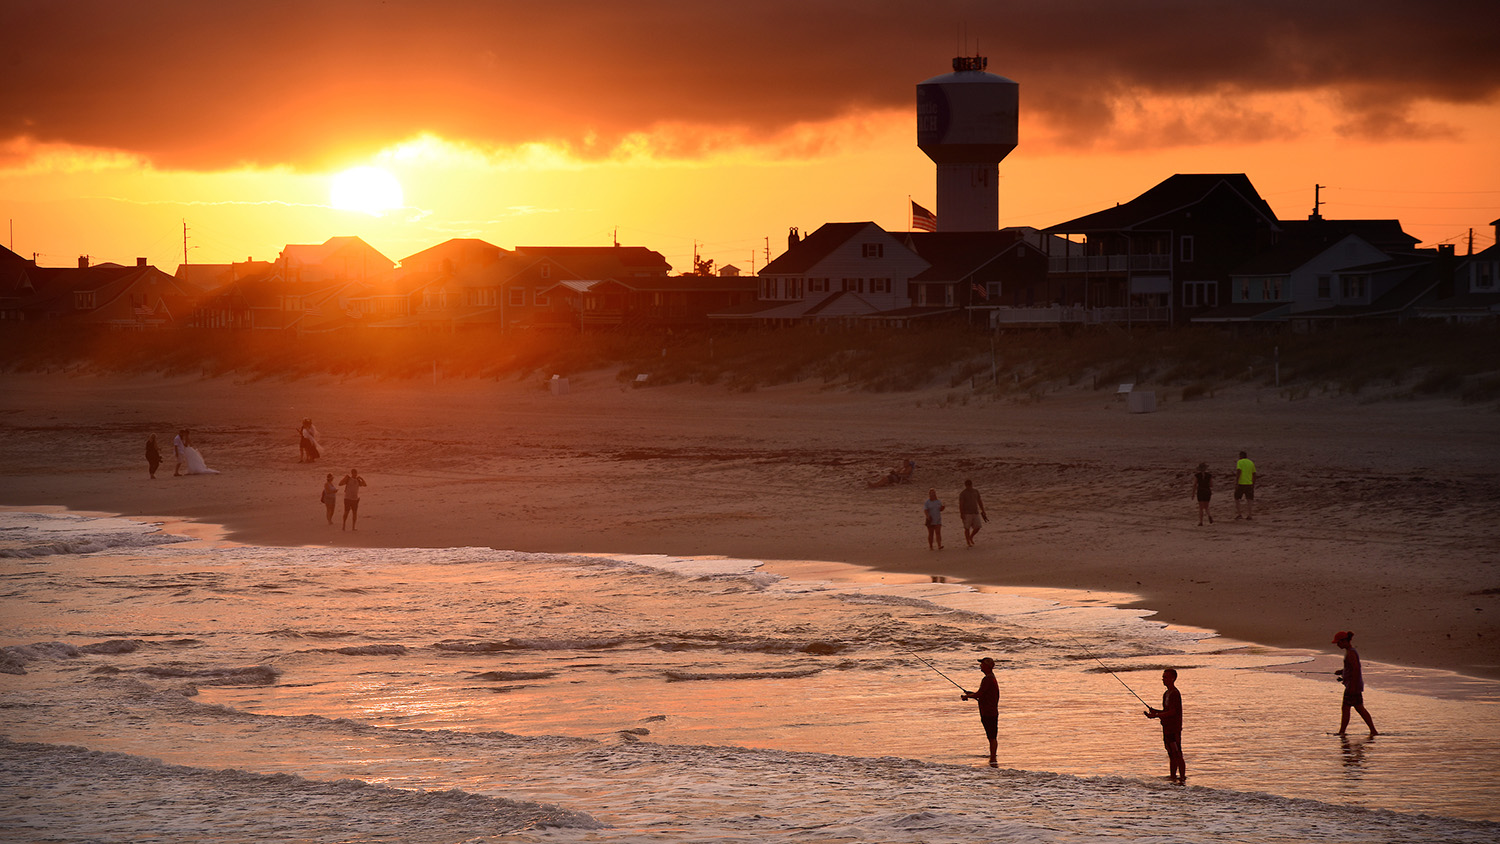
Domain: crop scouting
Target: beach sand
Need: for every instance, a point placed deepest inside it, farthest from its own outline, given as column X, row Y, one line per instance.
column 1374, row 516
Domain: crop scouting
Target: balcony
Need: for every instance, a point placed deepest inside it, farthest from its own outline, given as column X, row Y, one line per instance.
column 1108, row 263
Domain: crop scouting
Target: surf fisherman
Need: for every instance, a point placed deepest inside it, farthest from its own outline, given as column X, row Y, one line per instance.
column 1170, row 716
column 989, row 705
column 1353, row 678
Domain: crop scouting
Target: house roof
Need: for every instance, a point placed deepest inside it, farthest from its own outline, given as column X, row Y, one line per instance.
column 1420, row 279
column 807, row 252
column 1385, row 235
column 601, row 261
column 1175, row 194
column 955, row 256
column 457, row 249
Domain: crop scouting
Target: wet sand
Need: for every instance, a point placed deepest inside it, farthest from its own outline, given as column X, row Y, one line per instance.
column 1375, row 516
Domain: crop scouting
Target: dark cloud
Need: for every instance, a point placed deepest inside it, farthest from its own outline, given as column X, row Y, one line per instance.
column 209, row 85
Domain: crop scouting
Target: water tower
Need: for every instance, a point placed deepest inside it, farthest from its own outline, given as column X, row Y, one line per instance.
column 966, row 123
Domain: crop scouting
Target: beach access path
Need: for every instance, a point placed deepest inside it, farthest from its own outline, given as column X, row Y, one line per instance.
column 1378, row 516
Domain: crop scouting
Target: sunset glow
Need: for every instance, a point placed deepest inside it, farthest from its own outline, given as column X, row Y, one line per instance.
column 724, row 147
column 370, row 190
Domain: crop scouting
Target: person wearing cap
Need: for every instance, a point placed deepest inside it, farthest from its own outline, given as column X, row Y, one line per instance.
column 988, row 697
column 1170, row 716
column 1203, row 490
column 1353, row 678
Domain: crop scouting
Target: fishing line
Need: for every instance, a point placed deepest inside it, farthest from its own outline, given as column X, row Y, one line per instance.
column 1111, row 673
column 939, row 673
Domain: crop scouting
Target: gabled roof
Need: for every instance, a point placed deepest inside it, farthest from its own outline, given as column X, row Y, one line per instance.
column 317, row 253
column 459, row 250
column 955, row 256
column 1288, row 256
column 1385, row 235
column 1175, row 194
column 807, row 252
column 601, row 261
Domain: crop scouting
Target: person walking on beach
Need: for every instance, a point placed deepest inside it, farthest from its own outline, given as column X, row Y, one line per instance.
column 971, row 511
column 1244, row 486
column 1353, row 678
column 933, row 509
column 178, row 443
column 988, row 697
column 1203, row 490
column 351, row 484
column 330, row 496
column 1170, row 716
column 153, row 455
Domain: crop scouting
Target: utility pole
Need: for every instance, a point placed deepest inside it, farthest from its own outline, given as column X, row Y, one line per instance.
column 184, row 241
column 1317, row 201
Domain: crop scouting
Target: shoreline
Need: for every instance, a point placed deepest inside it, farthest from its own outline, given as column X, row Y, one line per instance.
column 1081, row 495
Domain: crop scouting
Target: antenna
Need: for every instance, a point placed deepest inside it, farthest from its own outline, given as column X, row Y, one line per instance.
column 184, row 241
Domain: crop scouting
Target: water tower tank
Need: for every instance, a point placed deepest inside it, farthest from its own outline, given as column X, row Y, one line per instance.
column 966, row 123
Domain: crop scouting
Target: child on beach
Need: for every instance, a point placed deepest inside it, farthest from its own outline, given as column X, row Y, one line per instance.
column 1353, row 678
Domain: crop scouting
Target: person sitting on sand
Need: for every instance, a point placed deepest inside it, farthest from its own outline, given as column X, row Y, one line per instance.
column 1170, row 716
column 1353, row 678
column 899, row 475
column 988, row 697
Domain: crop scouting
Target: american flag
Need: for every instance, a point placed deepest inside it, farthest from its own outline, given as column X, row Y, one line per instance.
column 922, row 219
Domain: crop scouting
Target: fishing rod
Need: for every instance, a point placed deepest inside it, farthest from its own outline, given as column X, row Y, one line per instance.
column 939, row 673
column 1111, row 673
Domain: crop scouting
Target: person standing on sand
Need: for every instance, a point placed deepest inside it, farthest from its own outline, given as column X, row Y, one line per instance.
column 1203, row 490
column 330, row 496
column 1353, row 678
column 351, row 484
column 933, row 508
column 153, row 455
column 177, row 446
column 307, row 442
column 971, row 511
column 1170, row 716
column 1244, row 486
column 989, row 706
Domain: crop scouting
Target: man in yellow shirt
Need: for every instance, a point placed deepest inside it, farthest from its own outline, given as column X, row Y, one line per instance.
column 1244, row 487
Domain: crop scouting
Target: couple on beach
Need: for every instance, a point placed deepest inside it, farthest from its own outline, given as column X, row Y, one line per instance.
column 1244, row 489
column 183, row 451
column 970, row 512
column 351, row 484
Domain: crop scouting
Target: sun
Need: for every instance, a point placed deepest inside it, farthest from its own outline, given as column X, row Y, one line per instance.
column 370, row 190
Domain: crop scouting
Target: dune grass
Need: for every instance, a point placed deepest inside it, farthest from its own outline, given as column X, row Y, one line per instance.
column 1376, row 361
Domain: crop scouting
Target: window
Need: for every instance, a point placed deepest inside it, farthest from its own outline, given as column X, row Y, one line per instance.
column 83, row 299
column 1244, row 290
column 817, row 285
column 1325, row 287
column 768, row 288
column 796, row 291
column 544, row 271
column 1353, row 286
column 1200, row 294
column 948, row 295
column 853, row 285
column 1187, row 248
column 1484, row 276
column 880, row 285
column 874, row 250
column 539, row 300
column 1270, row 289
column 517, row 296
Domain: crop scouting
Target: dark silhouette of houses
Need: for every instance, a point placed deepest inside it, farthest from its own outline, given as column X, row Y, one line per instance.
column 985, row 273
column 679, row 301
column 107, row 295
column 1164, row 255
column 1472, row 295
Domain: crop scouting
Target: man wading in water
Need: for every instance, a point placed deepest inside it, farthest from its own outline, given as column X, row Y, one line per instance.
column 989, row 705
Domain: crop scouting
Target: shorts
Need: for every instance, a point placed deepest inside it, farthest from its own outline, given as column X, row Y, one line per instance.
column 1204, row 498
column 1171, row 738
column 351, row 505
column 1245, row 491
column 971, row 521
column 991, row 724
column 1354, row 698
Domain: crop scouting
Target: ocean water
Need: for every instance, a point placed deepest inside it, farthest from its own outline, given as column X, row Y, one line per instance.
column 157, row 689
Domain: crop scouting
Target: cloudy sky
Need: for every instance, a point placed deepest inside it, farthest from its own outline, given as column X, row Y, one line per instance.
column 715, row 125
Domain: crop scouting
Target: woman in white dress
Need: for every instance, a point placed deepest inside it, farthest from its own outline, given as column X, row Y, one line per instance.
column 194, row 460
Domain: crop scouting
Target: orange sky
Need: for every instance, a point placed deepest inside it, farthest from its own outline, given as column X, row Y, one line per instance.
column 678, row 123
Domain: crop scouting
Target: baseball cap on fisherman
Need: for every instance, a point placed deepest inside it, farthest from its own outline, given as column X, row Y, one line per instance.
column 1342, row 636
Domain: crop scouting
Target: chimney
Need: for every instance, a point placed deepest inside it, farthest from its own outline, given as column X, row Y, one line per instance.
column 140, row 262
column 83, row 262
column 792, row 238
